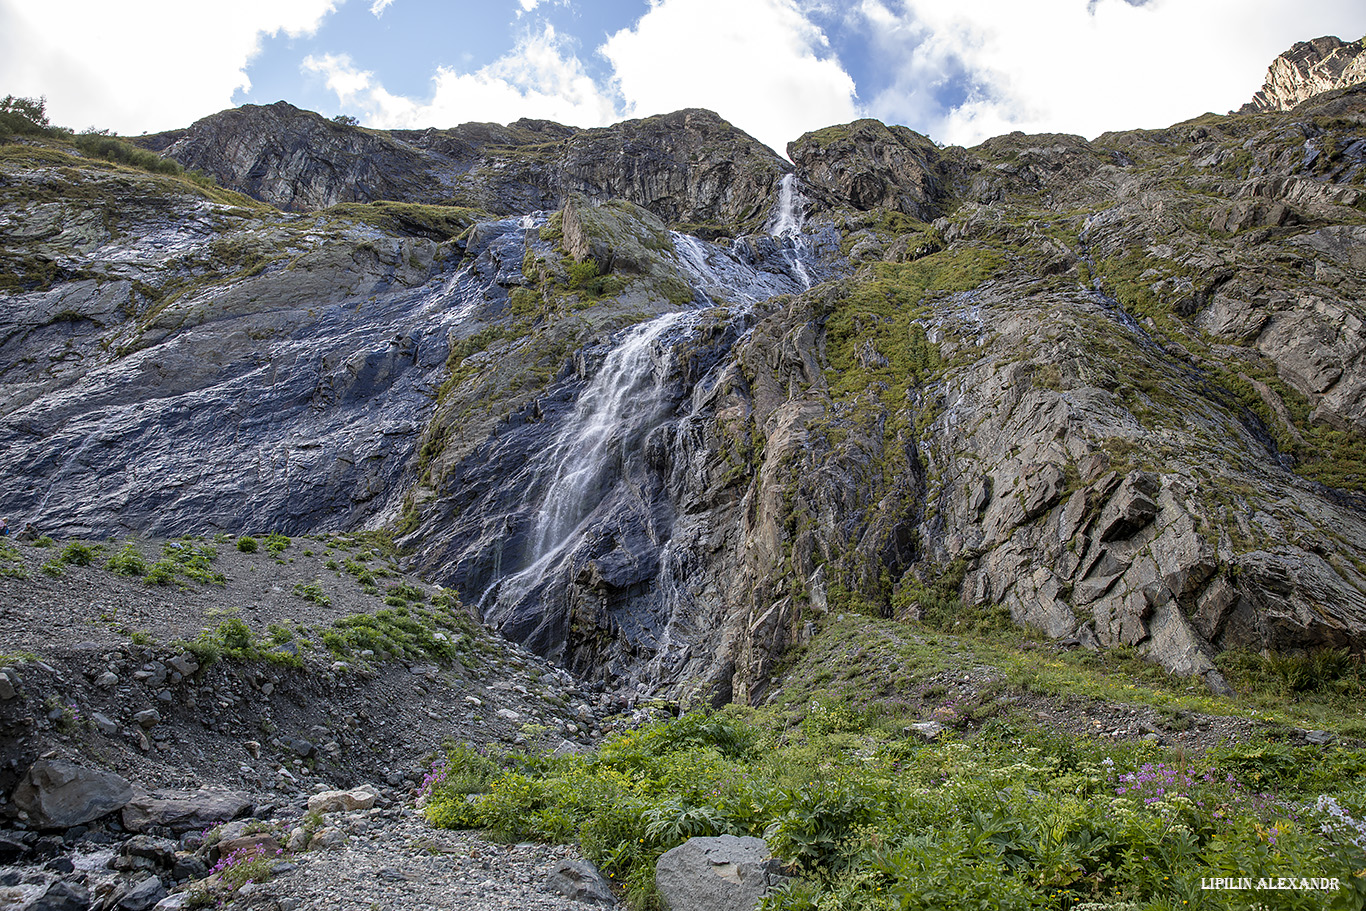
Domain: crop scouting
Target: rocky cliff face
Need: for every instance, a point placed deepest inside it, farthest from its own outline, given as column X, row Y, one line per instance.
column 690, row 167
column 1309, row 68
column 657, row 406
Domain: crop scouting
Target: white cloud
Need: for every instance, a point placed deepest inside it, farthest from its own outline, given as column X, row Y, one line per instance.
column 1067, row 66
column 139, row 66
column 379, row 6
column 539, row 78
column 759, row 63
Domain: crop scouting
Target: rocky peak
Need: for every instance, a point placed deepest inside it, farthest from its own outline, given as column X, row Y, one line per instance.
column 1309, row 68
column 690, row 167
column 294, row 159
column 868, row 163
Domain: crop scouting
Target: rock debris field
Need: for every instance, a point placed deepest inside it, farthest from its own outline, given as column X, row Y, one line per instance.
column 102, row 673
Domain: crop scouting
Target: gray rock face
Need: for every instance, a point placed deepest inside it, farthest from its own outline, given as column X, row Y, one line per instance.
column 716, row 874
column 183, row 811
column 1309, row 68
column 59, row 795
column 687, row 167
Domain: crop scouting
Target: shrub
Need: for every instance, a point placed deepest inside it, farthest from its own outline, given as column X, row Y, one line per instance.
column 312, row 591
column 79, row 553
column 9, row 554
column 247, row 544
column 277, row 543
column 127, row 562
column 25, row 117
column 162, row 572
column 99, row 144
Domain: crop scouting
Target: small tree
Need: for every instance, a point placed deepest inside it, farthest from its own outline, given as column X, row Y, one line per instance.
column 25, row 116
column 34, row 110
column 346, row 120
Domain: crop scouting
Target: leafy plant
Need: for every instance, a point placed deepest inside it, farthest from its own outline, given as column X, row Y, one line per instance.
column 127, row 562
column 312, row 591
column 247, row 544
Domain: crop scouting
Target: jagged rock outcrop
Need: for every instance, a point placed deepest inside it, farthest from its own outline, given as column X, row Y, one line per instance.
column 1309, row 68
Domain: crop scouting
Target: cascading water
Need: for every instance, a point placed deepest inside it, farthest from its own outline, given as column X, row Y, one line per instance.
column 581, row 542
column 623, row 403
column 594, row 449
column 787, row 226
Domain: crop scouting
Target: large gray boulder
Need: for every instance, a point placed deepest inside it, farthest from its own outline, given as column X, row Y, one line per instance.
column 726, row 873
column 58, row 795
column 183, row 811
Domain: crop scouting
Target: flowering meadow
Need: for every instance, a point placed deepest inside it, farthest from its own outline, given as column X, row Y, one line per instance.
column 1009, row 817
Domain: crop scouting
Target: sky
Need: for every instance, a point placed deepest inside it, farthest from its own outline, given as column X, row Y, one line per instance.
column 958, row 71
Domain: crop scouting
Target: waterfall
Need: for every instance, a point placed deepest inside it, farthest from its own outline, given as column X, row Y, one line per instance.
column 788, row 223
column 593, row 450
column 619, row 408
column 789, row 220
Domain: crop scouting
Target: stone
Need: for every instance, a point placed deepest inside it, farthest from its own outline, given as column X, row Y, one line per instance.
column 183, row 811
column 184, row 664
column 108, row 680
column 58, row 795
column 580, row 881
column 103, row 723
column 8, row 688
column 362, row 798
column 141, row 896
column 147, row 718
column 160, row 850
column 926, row 730
column 1131, row 507
column 60, row 895
column 327, row 837
column 726, row 873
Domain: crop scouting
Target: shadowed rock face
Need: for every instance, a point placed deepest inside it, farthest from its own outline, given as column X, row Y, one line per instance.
column 1114, row 388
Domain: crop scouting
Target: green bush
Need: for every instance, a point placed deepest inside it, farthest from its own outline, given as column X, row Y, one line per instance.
column 127, row 562
column 79, row 553
column 110, row 148
column 312, row 591
column 25, row 117
column 277, row 543
column 247, row 544
column 162, row 572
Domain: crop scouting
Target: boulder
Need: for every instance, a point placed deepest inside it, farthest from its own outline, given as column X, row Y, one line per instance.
column 726, row 873
column 580, row 881
column 60, row 895
column 183, row 811
column 141, row 896
column 362, row 798
column 58, row 795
